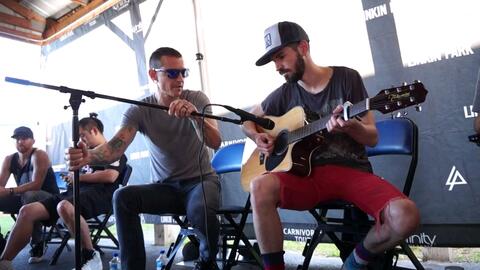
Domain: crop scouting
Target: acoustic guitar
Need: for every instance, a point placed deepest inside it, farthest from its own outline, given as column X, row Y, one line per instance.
column 296, row 140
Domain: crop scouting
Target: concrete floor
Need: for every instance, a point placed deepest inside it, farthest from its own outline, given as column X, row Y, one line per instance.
column 66, row 261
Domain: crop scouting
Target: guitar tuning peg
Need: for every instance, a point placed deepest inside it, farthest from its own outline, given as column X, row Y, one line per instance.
column 418, row 108
column 416, row 81
column 404, row 83
column 399, row 114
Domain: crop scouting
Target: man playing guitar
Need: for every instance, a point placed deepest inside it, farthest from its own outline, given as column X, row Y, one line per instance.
column 340, row 167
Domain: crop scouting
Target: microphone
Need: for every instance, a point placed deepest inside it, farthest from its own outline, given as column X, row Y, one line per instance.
column 246, row 116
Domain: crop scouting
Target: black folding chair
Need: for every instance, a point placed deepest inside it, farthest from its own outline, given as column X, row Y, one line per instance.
column 396, row 137
column 99, row 227
column 233, row 218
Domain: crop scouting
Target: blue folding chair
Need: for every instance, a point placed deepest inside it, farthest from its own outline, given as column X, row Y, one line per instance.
column 396, row 137
column 229, row 159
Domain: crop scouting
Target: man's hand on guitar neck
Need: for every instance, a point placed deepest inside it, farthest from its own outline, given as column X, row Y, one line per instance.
column 338, row 124
column 362, row 129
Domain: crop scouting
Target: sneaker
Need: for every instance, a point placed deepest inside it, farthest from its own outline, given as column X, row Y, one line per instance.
column 206, row 265
column 36, row 253
column 95, row 263
column 6, row 265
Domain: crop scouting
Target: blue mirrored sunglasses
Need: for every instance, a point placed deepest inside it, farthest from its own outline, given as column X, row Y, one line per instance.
column 173, row 73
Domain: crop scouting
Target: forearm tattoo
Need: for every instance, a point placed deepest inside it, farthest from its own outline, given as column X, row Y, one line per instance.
column 98, row 157
column 115, row 144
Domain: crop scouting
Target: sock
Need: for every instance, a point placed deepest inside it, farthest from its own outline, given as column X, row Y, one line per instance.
column 359, row 258
column 273, row 261
column 87, row 254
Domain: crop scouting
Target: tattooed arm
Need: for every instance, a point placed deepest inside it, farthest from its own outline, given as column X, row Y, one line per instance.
column 113, row 149
column 103, row 154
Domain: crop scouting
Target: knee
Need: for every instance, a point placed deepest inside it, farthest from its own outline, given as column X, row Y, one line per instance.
column 122, row 197
column 404, row 217
column 264, row 191
column 64, row 209
column 27, row 212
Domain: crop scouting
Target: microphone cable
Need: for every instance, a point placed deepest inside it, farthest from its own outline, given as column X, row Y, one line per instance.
column 205, row 206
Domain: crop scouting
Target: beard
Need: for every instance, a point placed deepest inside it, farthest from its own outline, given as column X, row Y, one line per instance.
column 299, row 70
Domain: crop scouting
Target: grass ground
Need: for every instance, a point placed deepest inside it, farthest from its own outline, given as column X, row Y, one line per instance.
column 471, row 255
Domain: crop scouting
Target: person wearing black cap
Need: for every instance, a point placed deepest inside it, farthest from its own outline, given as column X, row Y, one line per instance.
column 97, row 184
column 340, row 169
column 35, row 180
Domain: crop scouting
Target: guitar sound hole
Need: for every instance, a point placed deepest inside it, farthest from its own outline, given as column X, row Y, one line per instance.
column 279, row 151
column 281, row 143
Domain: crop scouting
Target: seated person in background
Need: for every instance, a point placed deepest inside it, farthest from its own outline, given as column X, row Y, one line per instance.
column 97, row 185
column 340, row 167
column 35, row 180
column 175, row 143
column 476, row 106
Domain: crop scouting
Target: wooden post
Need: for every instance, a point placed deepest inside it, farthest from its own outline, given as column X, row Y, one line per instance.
column 165, row 234
column 437, row 254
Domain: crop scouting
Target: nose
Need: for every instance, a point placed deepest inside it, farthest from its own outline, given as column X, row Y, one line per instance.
column 180, row 78
column 278, row 65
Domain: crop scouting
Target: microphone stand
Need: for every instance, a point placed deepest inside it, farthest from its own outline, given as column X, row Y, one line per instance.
column 75, row 101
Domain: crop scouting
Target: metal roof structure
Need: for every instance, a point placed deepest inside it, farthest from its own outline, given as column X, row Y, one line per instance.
column 43, row 21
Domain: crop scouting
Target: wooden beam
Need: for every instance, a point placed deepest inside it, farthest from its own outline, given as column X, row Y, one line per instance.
column 29, row 37
column 23, row 11
column 19, row 22
column 80, row 2
column 82, row 15
column 54, row 29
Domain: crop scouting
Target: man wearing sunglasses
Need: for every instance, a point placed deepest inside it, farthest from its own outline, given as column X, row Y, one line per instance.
column 175, row 143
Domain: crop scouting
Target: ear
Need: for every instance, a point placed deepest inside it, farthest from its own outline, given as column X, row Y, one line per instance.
column 153, row 75
column 304, row 47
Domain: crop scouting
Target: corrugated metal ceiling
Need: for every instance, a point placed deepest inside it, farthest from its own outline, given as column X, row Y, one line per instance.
column 43, row 21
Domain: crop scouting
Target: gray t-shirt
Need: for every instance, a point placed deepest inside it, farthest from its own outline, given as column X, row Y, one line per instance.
column 344, row 85
column 174, row 143
column 476, row 98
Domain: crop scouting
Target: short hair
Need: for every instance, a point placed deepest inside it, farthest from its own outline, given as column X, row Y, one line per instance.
column 90, row 122
column 154, row 61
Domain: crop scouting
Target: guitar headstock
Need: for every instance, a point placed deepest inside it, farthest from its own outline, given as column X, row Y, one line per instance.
column 392, row 99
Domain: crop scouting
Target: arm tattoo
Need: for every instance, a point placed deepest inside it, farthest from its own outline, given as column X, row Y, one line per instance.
column 98, row 158
column 116, row 143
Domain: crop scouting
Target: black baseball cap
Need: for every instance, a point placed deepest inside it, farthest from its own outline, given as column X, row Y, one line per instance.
column 278, row 36
column 23, row 132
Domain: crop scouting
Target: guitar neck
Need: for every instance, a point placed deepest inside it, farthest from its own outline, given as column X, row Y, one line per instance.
column 320, row 124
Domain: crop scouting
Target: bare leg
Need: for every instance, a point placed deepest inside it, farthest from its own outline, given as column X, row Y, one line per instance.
column 67, row 212
column 22, row 231
column 265, row 195
column 399, row 220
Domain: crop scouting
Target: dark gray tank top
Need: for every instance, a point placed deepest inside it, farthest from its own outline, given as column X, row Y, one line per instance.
column 24, row 174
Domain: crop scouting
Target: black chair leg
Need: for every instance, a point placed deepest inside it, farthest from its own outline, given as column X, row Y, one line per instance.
column 309, row 248
column 406, row 249
column 59, row 250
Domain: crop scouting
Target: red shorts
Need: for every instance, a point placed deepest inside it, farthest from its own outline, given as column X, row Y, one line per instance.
column 332, row 182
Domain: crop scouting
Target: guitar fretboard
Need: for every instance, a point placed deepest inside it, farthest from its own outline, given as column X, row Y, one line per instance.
column 320, row 124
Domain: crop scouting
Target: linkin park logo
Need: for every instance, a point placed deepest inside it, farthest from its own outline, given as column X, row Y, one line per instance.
column 268, row 40
column 455, row 178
